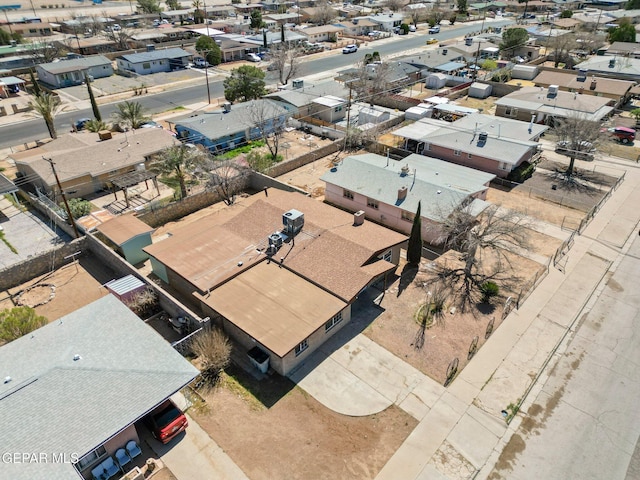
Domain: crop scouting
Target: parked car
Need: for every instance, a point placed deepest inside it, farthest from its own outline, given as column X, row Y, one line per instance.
column 167, row 421
column 116, row 28
column 412, row 28
column 200, row 62
column 622, row 134
column 434, row 29
column 432, row 40
column 80, row 124
column 253, row 57
column 150, row 124
column 583, row 150
column 350, row 49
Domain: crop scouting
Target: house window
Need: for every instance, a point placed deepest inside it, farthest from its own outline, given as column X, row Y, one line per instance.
column 371, row 203
column 91, row 458
column 333, row 322
column 504, row 166
column 301, row 347
column 469, row 155
column 386, row 256
column 408, row 216
column 338, row 108
column 510, row 111
column 146, row 65
column 347, row 194
column 427, row 147
column 456, row 153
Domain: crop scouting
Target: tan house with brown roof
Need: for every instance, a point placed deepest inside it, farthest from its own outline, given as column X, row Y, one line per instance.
column 85, row 164
column 278, row 270
column 617, row 90
column 323, row 33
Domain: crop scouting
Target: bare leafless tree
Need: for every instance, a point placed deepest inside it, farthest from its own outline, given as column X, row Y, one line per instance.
column 268, row 119
column 227, row 178
column 323, row 13
column 561, row 46
column 121, row 38
column 213, row 350
column 418, row 14
column 394, row 5
column 580, row 137
column 371, row 79
column 47, row 52
column 286, row 61
column 496, row 231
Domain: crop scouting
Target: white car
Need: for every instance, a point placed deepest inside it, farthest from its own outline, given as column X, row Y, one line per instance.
column 412, row 28
column 200, row 62
column 252, row 57
column 350, row 49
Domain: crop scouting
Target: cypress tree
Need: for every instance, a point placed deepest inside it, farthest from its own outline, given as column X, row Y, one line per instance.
column 36, row 87
column 94, row 105
column 414, row 249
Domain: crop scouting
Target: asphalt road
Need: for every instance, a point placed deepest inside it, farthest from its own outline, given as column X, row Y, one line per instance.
column 585, row 423
column 16, row 134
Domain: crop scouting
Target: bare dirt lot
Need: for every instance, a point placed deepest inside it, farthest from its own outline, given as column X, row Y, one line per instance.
column 75, row 285
column 277, row 431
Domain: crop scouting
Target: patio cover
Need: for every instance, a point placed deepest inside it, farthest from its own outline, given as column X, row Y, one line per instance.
column 11, row 81
column 450, row 66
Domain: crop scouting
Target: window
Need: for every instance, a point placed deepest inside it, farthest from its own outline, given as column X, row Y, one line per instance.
column 408, row 216
column 91, row 458
column 338, row 108
column 456, row 153
column 371, row 203
column 333, row 322
column 504, row 166
column 427, row 147
column 386, row 256
column 301, row 347
column 510, row 111
column 146, row 65
column 469, row 155
column 347, row 194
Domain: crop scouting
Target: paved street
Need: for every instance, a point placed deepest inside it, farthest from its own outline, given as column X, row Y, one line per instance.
column 585, row 423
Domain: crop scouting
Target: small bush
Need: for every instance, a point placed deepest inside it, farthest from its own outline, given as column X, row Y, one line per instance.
column 522, row 172
column 144, row 303
column 96, row 125
column 79, row 207
column 214, row 352
column 18, row 321
column 489, row 290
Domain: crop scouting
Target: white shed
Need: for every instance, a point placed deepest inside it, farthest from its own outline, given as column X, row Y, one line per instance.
column 418, row 112
column 524, row 72
column 479, row 90
column 372, row 114
column 436, row 80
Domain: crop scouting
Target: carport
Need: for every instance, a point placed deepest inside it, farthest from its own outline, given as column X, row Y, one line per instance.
column 7, row 82
column 7, row 186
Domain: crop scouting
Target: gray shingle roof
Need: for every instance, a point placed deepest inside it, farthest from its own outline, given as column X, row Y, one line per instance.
column 75, row 64
column 214, row 125
column 169, row 53
column 65, row 406
column 439, row 185
column 300, row 97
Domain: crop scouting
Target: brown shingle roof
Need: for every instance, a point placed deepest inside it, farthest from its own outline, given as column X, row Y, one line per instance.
column 123, row 228
column 86, row 155
column 284, row 308
column 570, row 80
column 329, row 251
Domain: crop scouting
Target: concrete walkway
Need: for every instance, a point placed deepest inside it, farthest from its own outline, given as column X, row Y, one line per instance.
column 462, row 428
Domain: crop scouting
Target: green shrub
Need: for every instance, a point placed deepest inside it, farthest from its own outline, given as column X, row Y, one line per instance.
column 522, row 172
column 489, row 290
column 18, row 321
column 79, row 207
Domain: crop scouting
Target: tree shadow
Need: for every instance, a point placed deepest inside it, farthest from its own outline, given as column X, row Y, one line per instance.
column 407, row 276
column 418, row 340
column 267, row 391
column 485, row 308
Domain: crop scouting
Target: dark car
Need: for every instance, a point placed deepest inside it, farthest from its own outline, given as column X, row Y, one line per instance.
column 622, row 134
column 167, row 421
column 81, row 124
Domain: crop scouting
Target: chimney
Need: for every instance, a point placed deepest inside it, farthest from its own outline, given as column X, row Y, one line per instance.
column 593, row 85
column 402, row 193
column 358, row 217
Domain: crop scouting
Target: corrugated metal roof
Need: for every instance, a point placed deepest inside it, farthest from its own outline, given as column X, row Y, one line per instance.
column 169, row 53
column 124, row 285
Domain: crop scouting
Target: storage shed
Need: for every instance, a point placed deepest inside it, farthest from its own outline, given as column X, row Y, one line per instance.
column 524, row 72
column 479, row 90
column 372, row 114
column 129, row 236
column 418, row 112
column 126, row 288
column 436, row 80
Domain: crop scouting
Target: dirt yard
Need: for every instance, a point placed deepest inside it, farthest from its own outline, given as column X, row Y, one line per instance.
column 308, row 440
column 74, row 286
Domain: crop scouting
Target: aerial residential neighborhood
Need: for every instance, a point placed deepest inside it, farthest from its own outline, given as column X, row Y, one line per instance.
column 362, row 240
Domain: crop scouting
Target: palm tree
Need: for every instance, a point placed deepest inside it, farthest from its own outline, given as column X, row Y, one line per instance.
column 178, row 161
column 47, row 106
column 131, row 114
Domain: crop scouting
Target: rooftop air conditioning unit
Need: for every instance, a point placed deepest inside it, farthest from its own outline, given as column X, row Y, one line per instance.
column 553, row 90
column 293, row 221
column 226, row 107
column 444, row 51
column 468, row 41
column 297, row 83
column 151, row 48
column 482, row 138
column 612, row 63
column 275, row 239
column 582, row 75
column 358, row 217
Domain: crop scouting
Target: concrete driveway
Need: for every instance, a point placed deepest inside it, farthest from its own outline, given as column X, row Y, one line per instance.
column 353, row 375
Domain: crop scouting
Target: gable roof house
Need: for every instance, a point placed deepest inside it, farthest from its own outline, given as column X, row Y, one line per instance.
column 86, row 165
column 154, row 61
column 388, row 191
column 77, row 386
column 484, row 142
column 545, row 105
column 301, row 262
column 622, row 68
column 616, row 90
column 233, row 126
column 66, row 73
column 322, row 33
column 357, row 26
column 387, row 21
column 300, row 95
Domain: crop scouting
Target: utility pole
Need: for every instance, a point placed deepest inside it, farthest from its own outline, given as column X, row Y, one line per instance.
column 346, row 133
column 64, row 198
column 206, row 75
column 475, row 67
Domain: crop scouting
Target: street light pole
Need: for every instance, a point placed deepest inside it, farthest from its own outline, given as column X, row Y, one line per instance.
column 475, row 67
